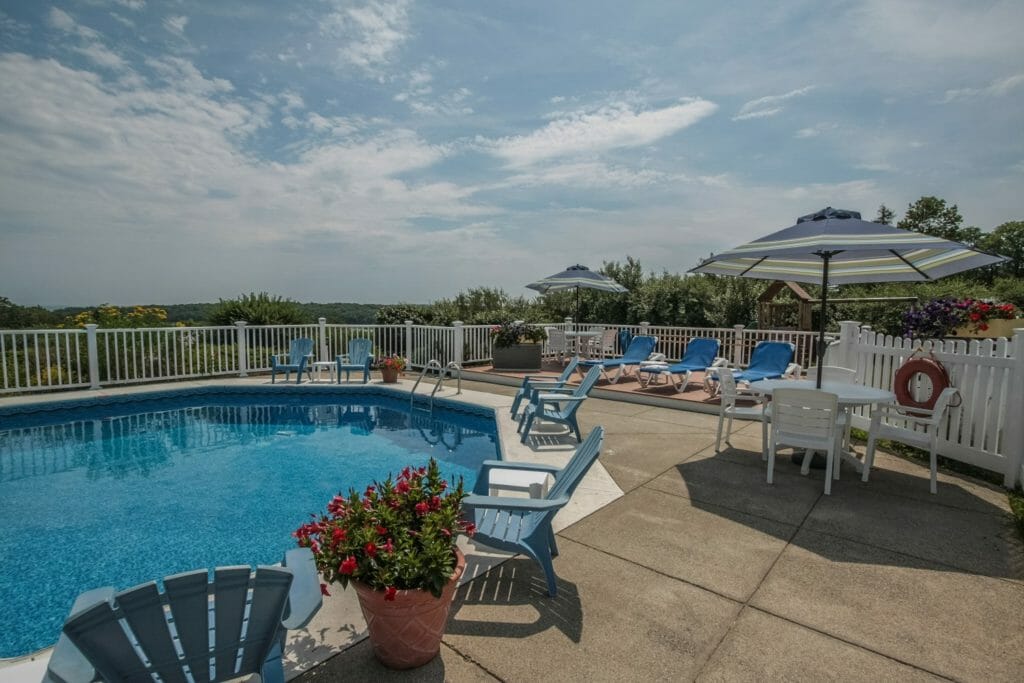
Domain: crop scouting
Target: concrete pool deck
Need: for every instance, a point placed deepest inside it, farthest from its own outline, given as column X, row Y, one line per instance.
column 701, row 571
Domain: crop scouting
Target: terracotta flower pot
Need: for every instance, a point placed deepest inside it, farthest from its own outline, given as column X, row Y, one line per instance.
column 406, row 632
column 390, row 375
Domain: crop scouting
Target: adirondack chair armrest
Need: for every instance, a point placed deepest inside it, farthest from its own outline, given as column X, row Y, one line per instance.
column 488, row 465
column 276, row 359
column 341, row 358
column 551, row 387
column 304, row 598
column 527, row 504
column 67, row 663
column 558, row 398
column 527, row 379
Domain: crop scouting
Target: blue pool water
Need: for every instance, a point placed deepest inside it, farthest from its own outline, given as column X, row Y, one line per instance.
column 122, row 493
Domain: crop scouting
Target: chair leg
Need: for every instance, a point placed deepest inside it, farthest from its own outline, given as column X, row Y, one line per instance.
column 772, row 447
column 272, row 670
column 543, row 556
column 718, row 437
column 526, row 427
column 764, row 438
column 552, row 545
column 575, row 428
column 515, row 404
column 830, row 463
column 869, row 451
column 933, row 457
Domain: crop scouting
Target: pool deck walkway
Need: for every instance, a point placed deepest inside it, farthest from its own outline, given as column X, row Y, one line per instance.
column 699, row 570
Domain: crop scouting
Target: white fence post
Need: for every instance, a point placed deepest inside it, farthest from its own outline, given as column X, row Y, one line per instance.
column 643, row 328
column 457, row 351
column 408, row 342
column 94, row 355
column 1013, row 437
column 243, row 364
column 737, row 345
column 323, row 338
column 568, row 324
column 848, row 332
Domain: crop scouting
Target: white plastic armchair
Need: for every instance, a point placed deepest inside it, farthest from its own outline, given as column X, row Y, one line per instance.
column 914, row 426
column 810, row 419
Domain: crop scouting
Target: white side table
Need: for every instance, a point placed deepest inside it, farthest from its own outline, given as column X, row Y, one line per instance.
column 524, row 481
column 319, row 366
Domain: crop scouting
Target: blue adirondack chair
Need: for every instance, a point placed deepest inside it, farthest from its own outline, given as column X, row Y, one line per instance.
column 94, row 645
column 700, row 355
column 523, row 525
column 358, row 359
column 297, row 359
column 540, row 382
column 558, row 405
column 639, row 350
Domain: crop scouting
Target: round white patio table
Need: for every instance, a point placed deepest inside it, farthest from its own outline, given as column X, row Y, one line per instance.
column 848, row 395
column 582, row 340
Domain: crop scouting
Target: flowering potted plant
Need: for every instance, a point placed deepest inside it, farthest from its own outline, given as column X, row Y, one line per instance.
column 516, row 346
column 961, row 317
column 395, row 543
column 390, row 367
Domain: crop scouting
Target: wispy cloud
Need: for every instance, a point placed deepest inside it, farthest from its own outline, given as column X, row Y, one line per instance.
column 612, row 126
column 176, row 24
column 997, row 88
column 815, row 130
column 770, row 105
column 371, row 34
column 91, row 44
column 134, row 5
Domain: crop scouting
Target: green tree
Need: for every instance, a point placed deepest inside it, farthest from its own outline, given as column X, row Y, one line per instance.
column 257, row 309
column 1008, row 240
column 885, row 215
column 931, row 216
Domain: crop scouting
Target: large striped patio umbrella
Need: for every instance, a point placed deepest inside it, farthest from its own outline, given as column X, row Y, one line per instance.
column 834, row 247
column 575, row 277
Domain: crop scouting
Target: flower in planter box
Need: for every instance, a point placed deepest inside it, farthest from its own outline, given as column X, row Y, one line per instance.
column 511, row 333
column 393, row 362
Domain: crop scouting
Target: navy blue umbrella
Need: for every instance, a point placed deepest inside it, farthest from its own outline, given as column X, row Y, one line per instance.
column 834, row 246
column 575, row 277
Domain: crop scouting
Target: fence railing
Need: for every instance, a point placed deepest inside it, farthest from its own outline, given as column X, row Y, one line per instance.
column 986, row 429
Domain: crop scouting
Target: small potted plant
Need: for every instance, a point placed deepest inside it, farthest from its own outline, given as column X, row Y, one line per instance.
column 516, row 346
column 390, row 367
column 395, row 543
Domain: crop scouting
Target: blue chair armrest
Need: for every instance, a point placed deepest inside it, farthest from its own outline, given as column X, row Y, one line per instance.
column 304, row 598
column 67, row 663
column 526, row 504
column 341, row 358
column 506, row 465
column 558, row 398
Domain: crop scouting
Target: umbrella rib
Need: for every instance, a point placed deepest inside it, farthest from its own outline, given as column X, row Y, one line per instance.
column 753, row 266
column 919, row 271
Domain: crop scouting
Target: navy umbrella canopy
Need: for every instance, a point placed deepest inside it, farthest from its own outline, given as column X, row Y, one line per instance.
column 575, row 277
column 834, row 246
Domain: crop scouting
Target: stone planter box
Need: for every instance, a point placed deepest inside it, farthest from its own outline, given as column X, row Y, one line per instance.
column 996, row 328
column 519, row 358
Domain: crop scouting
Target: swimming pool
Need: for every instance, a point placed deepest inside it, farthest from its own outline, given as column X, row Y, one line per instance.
column 120, row 491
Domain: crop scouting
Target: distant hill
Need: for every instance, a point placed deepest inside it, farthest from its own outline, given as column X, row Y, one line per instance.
column 198, row 314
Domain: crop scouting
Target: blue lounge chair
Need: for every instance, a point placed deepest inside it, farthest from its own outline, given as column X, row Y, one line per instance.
column 94, row 644
column 358, row 359
column 559, row 405
column 297, row 359
column 523, row 525
column 770, row 360
column 639, row 350
column 542, row 383
column 700, row 355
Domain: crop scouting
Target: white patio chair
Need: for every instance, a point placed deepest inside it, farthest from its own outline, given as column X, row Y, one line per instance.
column 730, row 392
column 604, row 346
column 558, row 344
column 904, row 428
column 806, row 418
column 833, row 373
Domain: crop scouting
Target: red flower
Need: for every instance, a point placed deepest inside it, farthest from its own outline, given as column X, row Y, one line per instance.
column 406, row 473
column 389, row 593
column 402, row 487
column 469, row 528
column 323, row 590
column 983, row 327
column 348, row 566
column 984, row 307
column 389, row 547
column 446, row 532
column 338, row 535
column 381, row 531
column 975, row 317
column 371, row 549
column 422, row 508
column 435, row 503
column 443, row 485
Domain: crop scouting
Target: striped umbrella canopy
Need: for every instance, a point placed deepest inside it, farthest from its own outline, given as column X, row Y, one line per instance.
column 834, row 246
column 575, row 277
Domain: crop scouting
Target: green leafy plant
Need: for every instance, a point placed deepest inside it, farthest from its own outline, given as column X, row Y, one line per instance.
column 396, row 535
column 257, row 309
column 511, row 333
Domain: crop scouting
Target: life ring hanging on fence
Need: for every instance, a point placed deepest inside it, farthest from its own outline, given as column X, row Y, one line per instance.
column 907, row 375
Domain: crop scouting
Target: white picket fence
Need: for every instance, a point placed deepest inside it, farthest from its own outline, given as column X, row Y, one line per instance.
column 986, row 429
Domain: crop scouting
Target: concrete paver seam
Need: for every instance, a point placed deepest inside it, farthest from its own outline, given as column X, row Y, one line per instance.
column 469, row 660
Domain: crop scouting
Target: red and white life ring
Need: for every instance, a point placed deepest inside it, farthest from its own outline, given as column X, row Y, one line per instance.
column 906, row 378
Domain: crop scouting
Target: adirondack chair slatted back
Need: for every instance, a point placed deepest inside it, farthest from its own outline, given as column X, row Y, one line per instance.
column 569, row 369
column 188, row 600
column 299, row 349
column 640, row 348
column 572, row 474
column 359, row 351
column 701, row 352
column 589, row 380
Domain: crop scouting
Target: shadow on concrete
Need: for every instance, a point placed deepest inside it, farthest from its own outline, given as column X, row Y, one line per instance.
column 511, row 601
column 893, row 511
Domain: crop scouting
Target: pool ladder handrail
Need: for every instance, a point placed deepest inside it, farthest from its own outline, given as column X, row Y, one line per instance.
column 442, row 372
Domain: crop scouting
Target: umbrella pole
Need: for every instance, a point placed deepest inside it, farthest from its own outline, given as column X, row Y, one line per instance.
column 577, row 307
column 821, row 323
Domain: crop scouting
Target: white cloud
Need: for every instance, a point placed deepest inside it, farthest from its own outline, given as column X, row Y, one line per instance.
column 590, row 174
column 176, row 24
column 613, row 126
column 370, row 34
column 134, row 5
column 768, row 105
column 815, row 130
column 997, row 88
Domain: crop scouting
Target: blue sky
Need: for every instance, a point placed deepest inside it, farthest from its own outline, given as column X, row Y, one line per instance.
column 163, row 152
